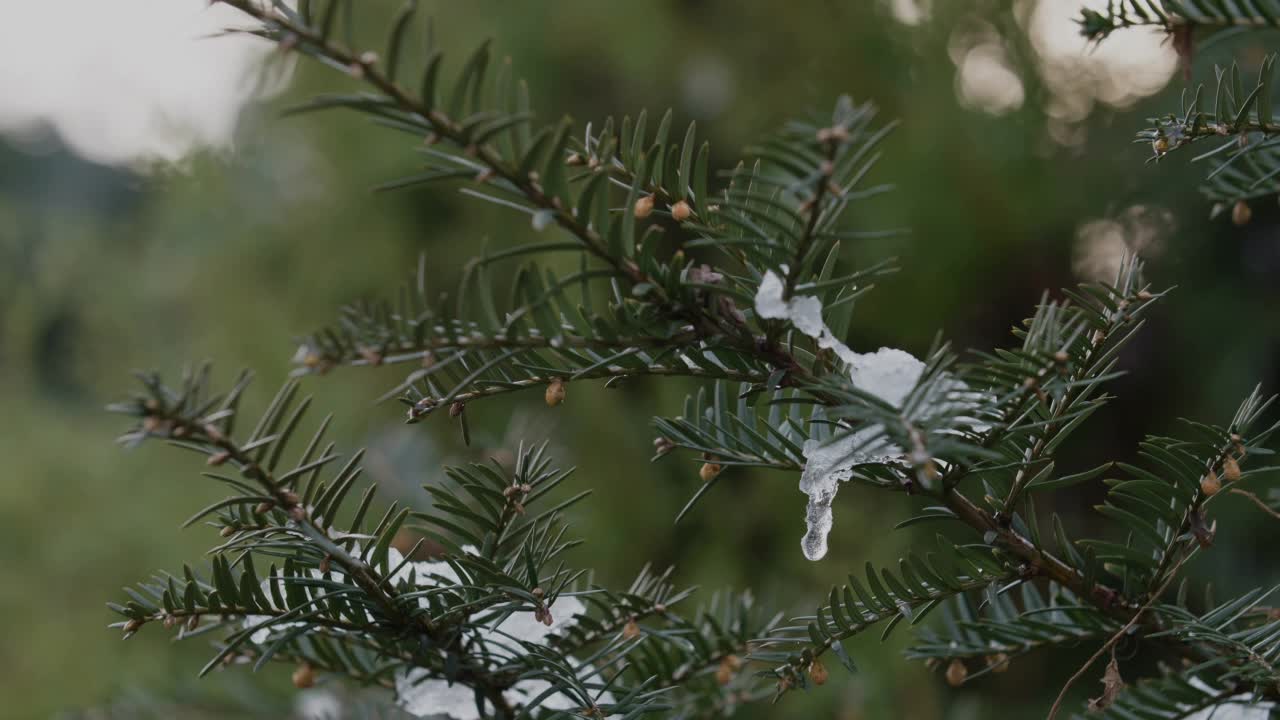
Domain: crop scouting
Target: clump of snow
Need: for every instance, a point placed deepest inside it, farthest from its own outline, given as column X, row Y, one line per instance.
column 888, row 373
column 1236, row 707
column 422, row 575
column 421, row 695
column 317, row 704
column 804, row 312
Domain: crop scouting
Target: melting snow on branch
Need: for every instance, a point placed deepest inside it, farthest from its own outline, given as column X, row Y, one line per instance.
column 424, row 696
column 1236, row 707
column 889, row 374
column 416, row 691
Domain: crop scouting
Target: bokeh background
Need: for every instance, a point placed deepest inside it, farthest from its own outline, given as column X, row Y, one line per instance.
column 155, row 210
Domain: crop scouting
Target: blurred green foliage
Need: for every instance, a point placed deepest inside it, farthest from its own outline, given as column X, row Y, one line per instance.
column 236, row 253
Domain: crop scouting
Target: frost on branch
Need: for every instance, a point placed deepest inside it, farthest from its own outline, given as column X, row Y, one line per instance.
column 888, row 374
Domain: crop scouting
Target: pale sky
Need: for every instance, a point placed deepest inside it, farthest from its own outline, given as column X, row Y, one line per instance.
column 125, row 81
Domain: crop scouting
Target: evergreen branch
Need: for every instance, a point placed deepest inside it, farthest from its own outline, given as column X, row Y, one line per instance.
column 917, row 590
column 433, row 119
column 1174, row 695
column 1001, row 630
column 1115, row 637
column 1173, row 15
column 1245, row 648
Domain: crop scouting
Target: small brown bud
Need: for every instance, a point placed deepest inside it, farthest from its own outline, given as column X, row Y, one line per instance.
column 511, row 491
column 180, row 431
column 709, row 471
column 264, row 507
column 369, row 57
column 1209, row 484
column 326, row 562
column 574, row 160
column 832, row 134
column 555, row 392
column 1160, row 145
column 526, row 488
column 371, row 356
column 643, row 207
column 538, row 592
column 998, row 662
column 662, row 446
column 1230, row 469
column 289, row 497
column 818, row 672
column 298, row 513
column 660, row 608
column 151, row 423
column 227, row 531
column 170, row 621
column 1098, row 337
column 456, row 408
column 355, row 70
column 304, row 676
column 632, row 630
column 543, row 615
column 681, row 211
column 1145, row 295
column 1061, row 357
column 957, row 673
column 212, row 432
column 193, row 622
column 132, row 626
column 518, row 507
column 1241, row 213
column 728, row 666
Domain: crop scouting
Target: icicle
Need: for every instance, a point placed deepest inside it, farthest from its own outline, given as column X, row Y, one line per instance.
column 888, row 373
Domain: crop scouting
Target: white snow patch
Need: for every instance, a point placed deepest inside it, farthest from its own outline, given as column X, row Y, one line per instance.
column 423, row 696
column 804, row 312
column 317, row 704
column 1237, row 707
